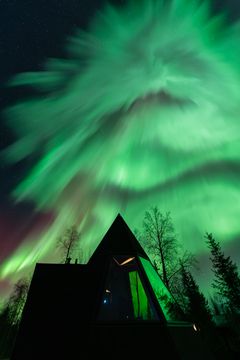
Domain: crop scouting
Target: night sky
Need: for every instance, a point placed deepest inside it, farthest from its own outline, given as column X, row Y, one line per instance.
column 31, row 32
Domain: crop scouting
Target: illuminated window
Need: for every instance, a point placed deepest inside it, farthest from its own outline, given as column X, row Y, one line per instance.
column 125, row 296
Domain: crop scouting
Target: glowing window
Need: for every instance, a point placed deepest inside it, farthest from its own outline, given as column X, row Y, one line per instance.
column 125, row 296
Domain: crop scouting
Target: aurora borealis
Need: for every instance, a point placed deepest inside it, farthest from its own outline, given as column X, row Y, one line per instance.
column 143, row 110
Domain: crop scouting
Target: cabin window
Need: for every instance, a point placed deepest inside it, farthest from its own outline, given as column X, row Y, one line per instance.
column 125, row 296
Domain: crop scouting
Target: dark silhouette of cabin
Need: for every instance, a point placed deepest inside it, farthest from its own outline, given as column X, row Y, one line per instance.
column 115, row 306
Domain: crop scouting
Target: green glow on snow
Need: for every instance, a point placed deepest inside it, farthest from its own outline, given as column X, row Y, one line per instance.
column 144, row 110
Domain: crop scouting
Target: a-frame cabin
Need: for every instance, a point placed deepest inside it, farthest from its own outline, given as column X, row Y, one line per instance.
column 115, row 305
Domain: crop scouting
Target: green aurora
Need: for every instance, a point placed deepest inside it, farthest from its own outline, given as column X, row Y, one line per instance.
column 143, row 110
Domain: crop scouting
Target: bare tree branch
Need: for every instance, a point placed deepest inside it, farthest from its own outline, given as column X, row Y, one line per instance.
column 68, row 243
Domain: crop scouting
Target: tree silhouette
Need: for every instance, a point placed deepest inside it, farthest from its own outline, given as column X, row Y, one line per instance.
column 17, row 300
column 197, row 308
column 197, row 311
column 227, row 280
column 160, row 241
column 68, row 243
column 11, row 315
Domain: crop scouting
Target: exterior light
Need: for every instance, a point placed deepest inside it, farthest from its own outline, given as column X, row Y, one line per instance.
column 195, row 327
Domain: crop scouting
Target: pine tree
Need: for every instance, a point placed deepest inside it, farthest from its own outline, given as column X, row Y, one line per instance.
column 227, row 280
column 197, row 309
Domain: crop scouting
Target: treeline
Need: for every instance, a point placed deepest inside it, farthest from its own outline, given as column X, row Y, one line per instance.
column 217, row 318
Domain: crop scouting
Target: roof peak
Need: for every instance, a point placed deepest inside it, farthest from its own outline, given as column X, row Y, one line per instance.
column 118, row 240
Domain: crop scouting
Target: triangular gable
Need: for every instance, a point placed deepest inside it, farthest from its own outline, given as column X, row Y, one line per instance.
column 119, row 240
column 120, row 246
